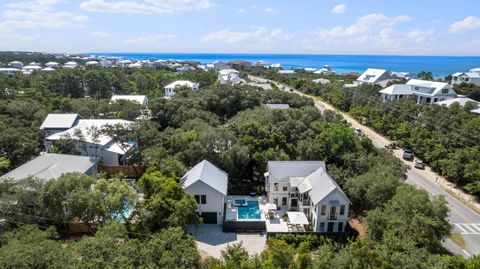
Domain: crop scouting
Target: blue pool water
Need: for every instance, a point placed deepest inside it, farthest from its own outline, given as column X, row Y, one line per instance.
column 251, row 211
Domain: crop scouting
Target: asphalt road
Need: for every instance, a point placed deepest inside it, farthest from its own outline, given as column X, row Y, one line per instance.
column 463, row 219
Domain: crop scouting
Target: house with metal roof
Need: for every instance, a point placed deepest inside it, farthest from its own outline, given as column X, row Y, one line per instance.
column 51, row 166
column 375, row 76
column 462, row 101
column 429, row 92
column 208, row 185
column 277, row 106
column 140, row 99
column 171, row 88
column 55, row 123
column 306, row 187
column 92, row 138
column 395, row 92
column 470, row 77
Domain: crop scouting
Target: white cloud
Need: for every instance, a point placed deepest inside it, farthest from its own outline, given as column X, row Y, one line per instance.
column 339, row 9
column 467, row 24
column 146, row 6
column 269, row 9
column 38, row 14
column 257, row 35
column 150, row 39
column 99, row 34
column 242, row 10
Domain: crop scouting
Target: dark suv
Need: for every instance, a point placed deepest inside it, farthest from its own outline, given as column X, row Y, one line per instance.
column 408, row 155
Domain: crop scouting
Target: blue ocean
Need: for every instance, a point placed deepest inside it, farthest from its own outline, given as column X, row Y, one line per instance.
column 438, row 65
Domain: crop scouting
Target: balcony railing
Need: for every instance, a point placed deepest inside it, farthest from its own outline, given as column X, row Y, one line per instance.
column 293, row 194
column 332, row 217
column 306, row 202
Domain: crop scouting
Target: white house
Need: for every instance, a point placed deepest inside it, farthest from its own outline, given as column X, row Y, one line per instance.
column 51, row 166
column 8, row 71
column 92, row 139
column 52, row 64
column 430, row 92
column 15, row 64
column 277, row 106
column 306, row 187
column 462, row 101
column 172, row 87
column 31, row 68
column 48, row 69
column 395, row 92
column 140, row 99
column 208, row 185
column 470, row 77
column 322, row 81
column 374, row 76
column 230, row 76
column 70, row 64
column 286, row 72
column 92, row 63
column 56, row 123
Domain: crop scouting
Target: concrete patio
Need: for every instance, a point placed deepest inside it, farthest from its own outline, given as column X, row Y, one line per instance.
column 211, row 240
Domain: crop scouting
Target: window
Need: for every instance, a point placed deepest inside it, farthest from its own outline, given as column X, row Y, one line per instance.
column 466, row 79
column 197, row 198
column 340, row 227
column 203, row 199
column 284, row 201
column 323, row 210
column 322, row 227
column 445, row 90
column 285, row 188
column 417, row 88
column 342, row 210
column 275, row 187
column 333, row 212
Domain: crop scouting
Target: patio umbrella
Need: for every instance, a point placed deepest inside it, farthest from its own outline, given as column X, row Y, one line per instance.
column 271, row 207
column 297, row 218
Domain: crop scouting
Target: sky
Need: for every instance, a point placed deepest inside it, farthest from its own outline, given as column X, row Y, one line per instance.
column 408, row 27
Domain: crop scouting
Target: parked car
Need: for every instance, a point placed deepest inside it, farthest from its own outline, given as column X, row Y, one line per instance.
column 391, row 146
column 408, row 155
column 419, row 164
column 357, row 131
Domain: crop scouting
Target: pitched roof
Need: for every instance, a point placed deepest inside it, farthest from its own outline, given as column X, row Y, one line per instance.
column 321, row 81
column 88, row 130
column 318, row 185
column 435, row 86
column 51, row 166
column 461, row 100
column 277, row 106
column 371, row 75
column 400, row 89
column 182, row 83
column 207, row 173
column 59, row 121
column 282, row 171
column 141, row 99
column 467, row 74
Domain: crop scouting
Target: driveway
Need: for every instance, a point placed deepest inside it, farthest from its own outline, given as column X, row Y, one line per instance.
column 211, row 240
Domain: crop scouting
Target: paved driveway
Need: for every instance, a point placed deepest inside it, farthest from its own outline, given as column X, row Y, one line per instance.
column 211, row 240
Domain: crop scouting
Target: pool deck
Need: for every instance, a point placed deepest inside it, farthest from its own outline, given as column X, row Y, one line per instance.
column 273, row 225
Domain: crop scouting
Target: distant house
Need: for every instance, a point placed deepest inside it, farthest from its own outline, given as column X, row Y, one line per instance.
column 306, row 187
column 51, row 166
column 322, row 81
column 431, row 91
column 15, row 64
column 286, row 72
column 375, row 76
column 239, row 64
column 219, row 65
column 277, row 106
column 171, row 88
column 230, row 76
column 9, row 71
column 471, row 77
column 422, row 91
column 31, row 68
column 56, row 123
column 395, row 92
column 208, row 185
column 92, row 63
column 310, row 69
column 462, row 101
column 70, row 64
column 48, row 69
column 52, row 64
column 135, row 65
column 92, row 140
column 403, row 75
column 140, row 99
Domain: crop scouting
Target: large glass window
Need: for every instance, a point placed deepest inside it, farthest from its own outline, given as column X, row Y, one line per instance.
column 342, row 210
column 203, row 199
column 323, row 210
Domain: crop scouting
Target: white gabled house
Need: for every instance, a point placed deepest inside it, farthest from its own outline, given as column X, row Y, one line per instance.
column 9, row 71
column 462, row 101
column 208, row 185
column 230, row 76
column 470, row 77
column 306, row 187
column 429, row 92
column 56, row 123
column 374, row 76
column 395, row 92
column 91, row 139
column 171, row 88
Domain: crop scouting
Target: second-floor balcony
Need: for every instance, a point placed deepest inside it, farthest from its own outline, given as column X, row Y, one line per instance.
column 332, row 217
column 293, row 194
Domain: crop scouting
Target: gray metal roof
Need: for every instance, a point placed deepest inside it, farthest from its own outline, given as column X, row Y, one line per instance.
column 207, row 173
column 59, row 121
column 318, row 185
column 277, row 106
column 282, row 171
column 51, row 166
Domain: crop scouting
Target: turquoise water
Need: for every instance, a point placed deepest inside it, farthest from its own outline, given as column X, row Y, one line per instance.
column 438, row 65
column 251, row 211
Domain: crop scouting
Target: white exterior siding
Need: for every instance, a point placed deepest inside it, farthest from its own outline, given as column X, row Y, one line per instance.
column 329, row 202
column 215, row 199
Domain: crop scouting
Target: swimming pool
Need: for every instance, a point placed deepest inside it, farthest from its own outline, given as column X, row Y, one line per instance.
column 251, row 211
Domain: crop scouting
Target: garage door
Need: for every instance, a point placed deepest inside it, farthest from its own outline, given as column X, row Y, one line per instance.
column 209, row 217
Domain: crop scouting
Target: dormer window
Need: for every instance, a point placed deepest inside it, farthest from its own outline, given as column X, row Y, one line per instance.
column 445, row 90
